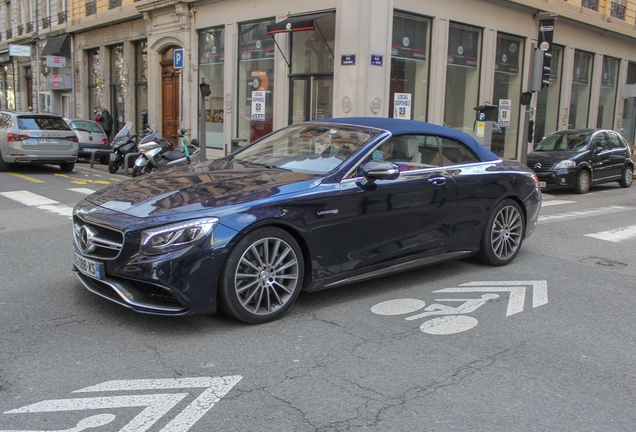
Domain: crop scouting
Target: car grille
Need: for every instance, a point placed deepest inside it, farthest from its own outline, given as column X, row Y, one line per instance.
column 541, row 167
column 97, row 241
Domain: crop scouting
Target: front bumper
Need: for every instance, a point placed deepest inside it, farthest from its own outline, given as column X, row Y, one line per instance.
column 562, row 178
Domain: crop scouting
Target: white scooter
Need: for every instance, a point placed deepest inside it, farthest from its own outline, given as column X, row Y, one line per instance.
column 160, row 153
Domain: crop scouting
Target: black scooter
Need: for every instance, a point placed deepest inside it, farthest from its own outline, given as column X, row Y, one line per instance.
column 123, row 143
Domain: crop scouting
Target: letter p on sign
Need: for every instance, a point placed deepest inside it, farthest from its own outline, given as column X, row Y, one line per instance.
column 178, row 58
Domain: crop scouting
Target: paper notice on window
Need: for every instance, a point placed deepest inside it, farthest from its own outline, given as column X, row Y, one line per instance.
column 402, row 106
column 258, row 106
column 504, row 112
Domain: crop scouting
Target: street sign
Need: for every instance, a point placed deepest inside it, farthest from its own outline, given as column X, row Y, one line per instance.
column 178, row 58
column 20, row 50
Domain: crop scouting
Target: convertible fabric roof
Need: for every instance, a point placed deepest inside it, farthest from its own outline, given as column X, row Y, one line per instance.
column 412, row 127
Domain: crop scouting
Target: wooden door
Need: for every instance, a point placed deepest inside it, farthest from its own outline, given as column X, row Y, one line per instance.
column 169, row 101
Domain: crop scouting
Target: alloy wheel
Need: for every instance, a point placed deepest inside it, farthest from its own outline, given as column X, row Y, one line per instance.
column 507, row 230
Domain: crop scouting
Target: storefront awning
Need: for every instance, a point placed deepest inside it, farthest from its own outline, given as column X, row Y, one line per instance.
column 296, row 23
column 59, row 46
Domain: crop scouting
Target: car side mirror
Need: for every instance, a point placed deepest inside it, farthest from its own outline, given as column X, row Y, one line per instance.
column 379, row 170
column 597, row 150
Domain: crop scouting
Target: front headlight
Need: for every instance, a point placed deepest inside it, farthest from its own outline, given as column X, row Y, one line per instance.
column 565, row 164
column 176, row 236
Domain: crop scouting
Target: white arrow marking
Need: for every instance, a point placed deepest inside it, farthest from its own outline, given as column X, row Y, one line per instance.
column 87, row 423
column 539, row 289
column 156, row 405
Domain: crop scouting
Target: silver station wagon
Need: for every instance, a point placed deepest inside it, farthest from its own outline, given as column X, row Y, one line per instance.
column 33, row 138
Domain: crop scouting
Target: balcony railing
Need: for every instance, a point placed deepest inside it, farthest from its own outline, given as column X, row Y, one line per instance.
column 20, row 29
column 590, row 4
column 112, row 4
column 62, row 17
column 46, row 22
column 618, row 11
column 91, row 8
column 29, row 27
column 10, row 34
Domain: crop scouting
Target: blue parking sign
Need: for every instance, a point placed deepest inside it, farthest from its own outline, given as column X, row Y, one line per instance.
column 178, row 58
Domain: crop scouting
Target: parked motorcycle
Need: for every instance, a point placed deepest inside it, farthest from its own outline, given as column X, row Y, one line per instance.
column 161, row 154
column 123, row 143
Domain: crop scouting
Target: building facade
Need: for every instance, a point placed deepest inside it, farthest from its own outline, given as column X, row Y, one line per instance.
column 270, row 63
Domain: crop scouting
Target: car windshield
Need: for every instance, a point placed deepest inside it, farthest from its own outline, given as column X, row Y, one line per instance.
column 309, row 148
column 41, row 123
column 564, row 141
column 86, row 126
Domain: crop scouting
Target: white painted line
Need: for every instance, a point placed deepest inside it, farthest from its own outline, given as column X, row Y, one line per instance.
column 38, row 201
column 85, row 191
column 515, row 303
column 539, row 289
column 584, row 213
column 555, row 202
column 616, row 235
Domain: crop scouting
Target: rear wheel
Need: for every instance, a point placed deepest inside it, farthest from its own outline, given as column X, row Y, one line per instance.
column 503, row 234
column 627, row 177
column 262, row 276
column 583, row 182
column 3, row 165
column 113, row 166
column 67, row 166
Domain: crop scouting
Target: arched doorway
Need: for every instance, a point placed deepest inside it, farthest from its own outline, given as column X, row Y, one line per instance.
column 169, row 96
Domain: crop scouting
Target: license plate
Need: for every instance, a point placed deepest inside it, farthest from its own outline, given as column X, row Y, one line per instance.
column 89, row 267
column 541, row 184
column 48, row 141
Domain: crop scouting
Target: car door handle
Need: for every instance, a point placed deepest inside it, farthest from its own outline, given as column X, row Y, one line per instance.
column 437, row 180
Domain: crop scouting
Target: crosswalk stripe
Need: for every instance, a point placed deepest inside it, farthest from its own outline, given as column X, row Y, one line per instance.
column 555, row 202
column 85, row 191
column 34, row 200
column 584, row 213
column 616, row 235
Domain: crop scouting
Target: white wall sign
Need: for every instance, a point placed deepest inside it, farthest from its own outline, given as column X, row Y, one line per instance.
column 258, row 105
column 402, row 106
column 504, row 112
column 20, row 50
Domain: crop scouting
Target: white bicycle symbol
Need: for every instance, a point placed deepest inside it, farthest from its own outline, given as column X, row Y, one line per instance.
column 454, row 321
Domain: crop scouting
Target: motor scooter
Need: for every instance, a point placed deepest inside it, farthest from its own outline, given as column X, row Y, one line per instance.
column 123, row 143
column 162, row 154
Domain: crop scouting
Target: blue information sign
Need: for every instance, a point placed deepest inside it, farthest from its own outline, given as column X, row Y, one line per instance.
column 376, row 60
column 178, row 58
column 348, row 60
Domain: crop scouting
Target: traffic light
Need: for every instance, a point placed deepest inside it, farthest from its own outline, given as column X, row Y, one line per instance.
column 545, row 75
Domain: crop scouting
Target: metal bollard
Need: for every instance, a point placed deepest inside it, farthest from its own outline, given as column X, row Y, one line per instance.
column 126, row 162
column 93, row 152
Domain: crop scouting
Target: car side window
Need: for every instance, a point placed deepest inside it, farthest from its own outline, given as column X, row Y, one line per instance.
column 405, row 151
column 600, row 141
column 455, row 152
column 615, row 141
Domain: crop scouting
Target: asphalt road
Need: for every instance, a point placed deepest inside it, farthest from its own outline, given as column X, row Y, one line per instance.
column 546, row 343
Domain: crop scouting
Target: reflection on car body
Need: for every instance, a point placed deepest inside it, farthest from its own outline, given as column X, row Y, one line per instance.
column 311, row 206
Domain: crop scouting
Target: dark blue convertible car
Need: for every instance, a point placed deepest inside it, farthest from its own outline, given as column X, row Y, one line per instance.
column 311, row 206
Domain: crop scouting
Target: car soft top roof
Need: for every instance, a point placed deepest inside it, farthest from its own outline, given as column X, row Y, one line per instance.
column 412, row 127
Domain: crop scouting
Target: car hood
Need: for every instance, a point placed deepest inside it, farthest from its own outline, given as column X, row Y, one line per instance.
column 198, row 187
column 552, row 156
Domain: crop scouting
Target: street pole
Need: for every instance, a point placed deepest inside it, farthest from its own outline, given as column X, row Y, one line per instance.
column 205, row 91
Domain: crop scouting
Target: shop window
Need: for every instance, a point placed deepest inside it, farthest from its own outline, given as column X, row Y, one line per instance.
column 548, row 100
column 462, row 77
column 507, row 93
column 607, row 99
column 580, row 91
column 118, row 85
column 211, row 67
column 410, row 48
column 141, row 85
column 255, row 81
column 95, row 81
column 312, row 50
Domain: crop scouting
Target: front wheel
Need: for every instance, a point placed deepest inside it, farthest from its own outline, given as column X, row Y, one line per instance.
column 262, row 276
column 627, row 177
column 583, row 182
column 113, row 166
column 138, row 170
column 503, row 235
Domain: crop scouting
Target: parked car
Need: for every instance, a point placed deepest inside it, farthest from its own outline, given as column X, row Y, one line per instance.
column 91, row 136
column 311, row 206
column 580, row 158
column 33, row 138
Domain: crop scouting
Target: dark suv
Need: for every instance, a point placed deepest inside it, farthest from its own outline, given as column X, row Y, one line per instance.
column 33, row 138
column 579, row 158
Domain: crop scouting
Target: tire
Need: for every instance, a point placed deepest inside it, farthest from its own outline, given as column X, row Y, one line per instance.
column 503, row 235
column 583, row 182
column 113, row 166
column 262, row 276
column 138, row 170
column 67, row 166
column 627, row 177
column 103, row 160
column 3, row 165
